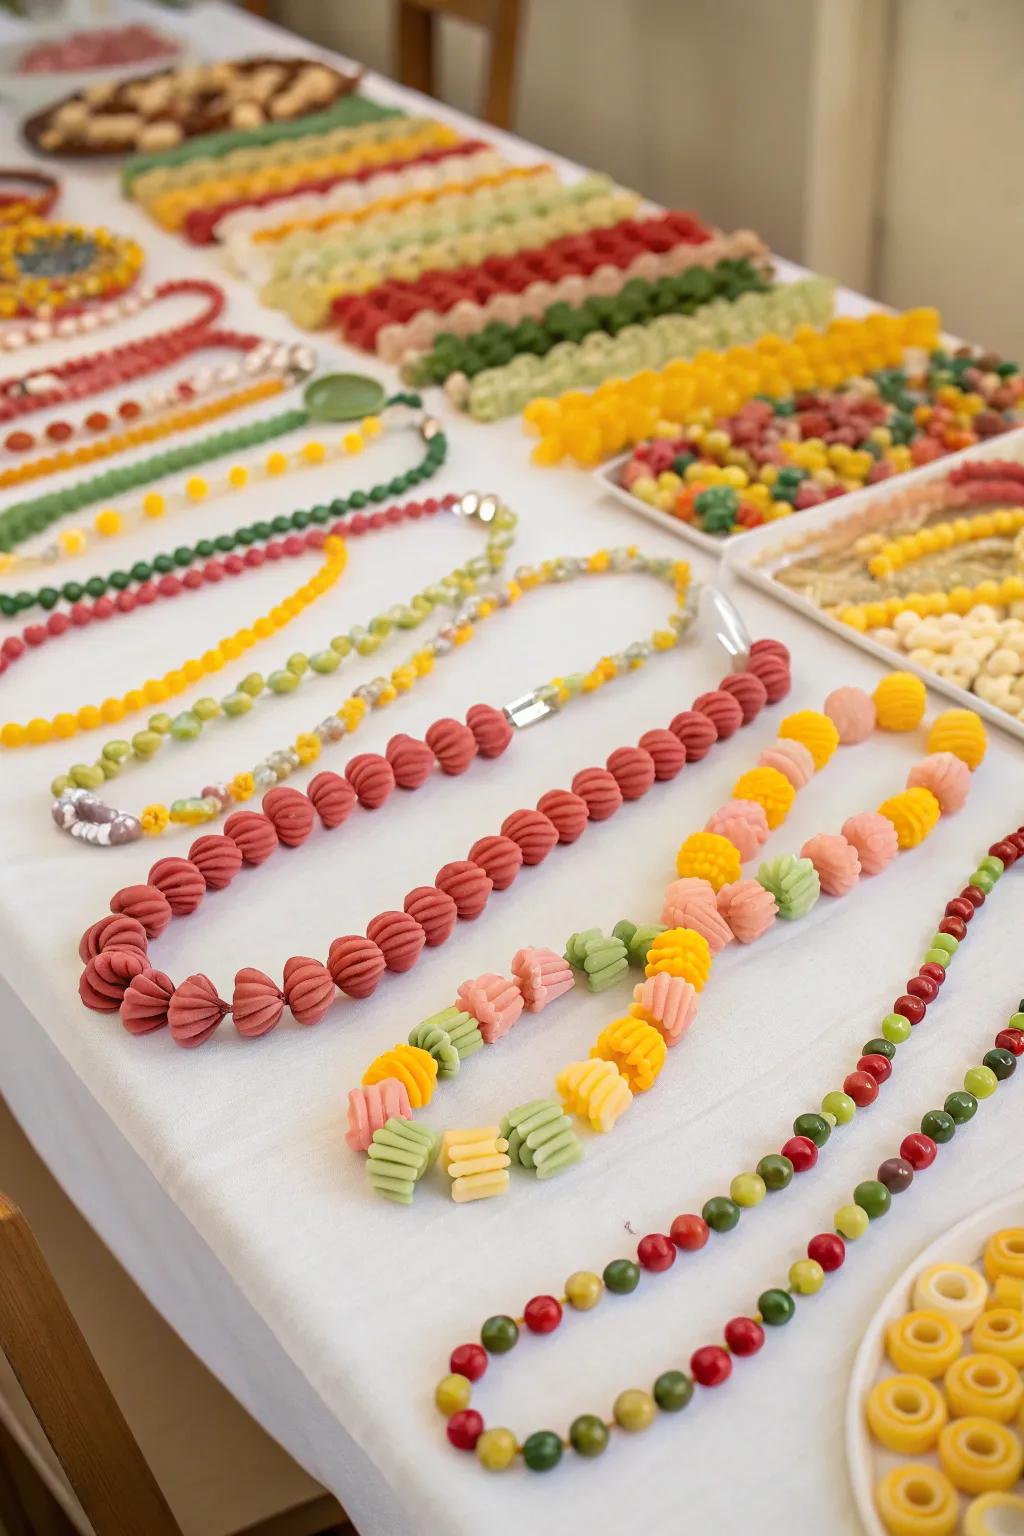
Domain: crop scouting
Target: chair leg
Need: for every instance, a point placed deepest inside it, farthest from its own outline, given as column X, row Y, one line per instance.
column 414, row 47
column 501, row 84
column 27, row 1507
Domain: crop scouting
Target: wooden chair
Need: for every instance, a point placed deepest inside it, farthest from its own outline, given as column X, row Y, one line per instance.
column 89, row 1473
column 415, row 35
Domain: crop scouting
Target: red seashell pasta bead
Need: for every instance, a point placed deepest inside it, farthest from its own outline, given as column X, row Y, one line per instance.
column 500, row 858
column 491, row 729
column 372, row 777
column 453, row 744
column 356, row 964
column 724, row 712
column 533, row 833
column 115, row 932
column 255, row 835
column 195, row 1011
column 257, row 1002
column 696, row 732
column 145, row 1002
column 633, row 771
column 567, row 813
column 146, row 904
column 467, row 885
column 598, row 789
column 666, row 751
column 292, row 814
column 180, row 881
column 217, row 859
column 399, row 938
column 434, row 910
column 308, row 989
column 332, row 797
column 748, row 691
column 412, row 761
column 108, row 975
column 773, row 672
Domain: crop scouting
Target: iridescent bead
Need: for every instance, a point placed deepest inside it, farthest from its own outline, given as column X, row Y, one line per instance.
column 264, row 777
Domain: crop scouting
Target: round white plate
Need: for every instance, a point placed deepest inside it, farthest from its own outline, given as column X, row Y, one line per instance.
column 868, row 1461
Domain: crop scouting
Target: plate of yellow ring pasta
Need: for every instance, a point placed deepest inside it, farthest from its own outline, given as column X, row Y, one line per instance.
column 935, row 1411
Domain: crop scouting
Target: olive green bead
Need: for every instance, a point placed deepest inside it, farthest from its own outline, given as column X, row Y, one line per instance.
column 366, row 645
column 895, row 1027
column 775, row 1170
column 633, row 1410
column 381, row 626
column 342, row 645
column 542, row 1450
column 58, row 785
column 108, row 767
column 86, row 775
column 186, row 726
column 499, row 1334
column 815, row 1127
column 235, row 704
column 776, row 1307
column 937, row 1124
column 297, row 663
column 672, row 1391
column 145, row 743
column 282, row 681
column 588, row 1435
column 1002, row 1063
column 873, row 1198
column 161, row 723
column 253, row 684
column 961, row 1106
column 981, row 1081
column 117, row 751
column 621, row 1276
column 206, row 708
column 983, row 880
column 325, row 661
column 720, row 1213
column 879, row 1047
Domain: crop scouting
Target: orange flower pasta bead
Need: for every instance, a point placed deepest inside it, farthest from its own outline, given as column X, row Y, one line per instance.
column 905, row 1413
column 596, row 1091
column 636, row 1048
column 415, row 1069
column 711, row 857
column 770, row 789
column 680, row 952
column 813, row 730
column 914, row 813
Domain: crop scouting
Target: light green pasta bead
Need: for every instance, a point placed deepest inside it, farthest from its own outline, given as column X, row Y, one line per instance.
column 108, row 767
column 642, row 940
column 461, row 1028
column 793, row 882
column 522, row 1122
column 447, row 1048
column 253, row 684
column 161, row 723
column 325, row 661
column 575, row 950
column 235, row 704
column 86, row 775
column 298, row 663
column 624, row 930
column 398, row 1157
column 186, row 726
column 342, row 645
column 117, row 751
column 381, row 626
column 944, row 941
column 283, row 681
column 368, row 644
column 145, row 743
column 936, row 957
column 58, row 785
column 206, row 709
column 604, row 962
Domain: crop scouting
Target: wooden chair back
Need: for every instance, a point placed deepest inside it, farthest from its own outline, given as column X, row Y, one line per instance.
column 68, row 1394
column 415, row 37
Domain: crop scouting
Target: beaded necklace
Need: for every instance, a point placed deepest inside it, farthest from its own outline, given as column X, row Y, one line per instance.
column 46, row 267
column 710, row 1365
column 114, row 949
column 704, row 910
column 451, row 590
column 81, row 321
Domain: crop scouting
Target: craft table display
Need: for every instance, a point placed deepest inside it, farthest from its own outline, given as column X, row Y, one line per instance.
column 308, row 1182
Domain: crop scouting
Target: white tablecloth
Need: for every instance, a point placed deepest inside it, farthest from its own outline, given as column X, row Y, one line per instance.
column 220, row 1176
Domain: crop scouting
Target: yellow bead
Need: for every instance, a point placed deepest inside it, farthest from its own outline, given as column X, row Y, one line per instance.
column 959, row 731
column 770, row 789
column 900, row 701
column 353, row 442
column 914, row 813
column 153, row 504
column 38, row 731
column 1000, row 1331
column 985, row 1386
column 314, row 452
column 155, row 690
column 680, row 952
column 747, row 1189
column 89, row 717
column 806, row 1277
column 851, row 1222
column 113, row 710
column 979, row 1455
column 917, row 1500
column 276, row 462
column 238, row 477
column 416, row 1069
column 583, row 1290
column 816, row 732
column 452, row 1394
column 196, row 488
column 709, row 856
column 496, row 1449
column 1007, row 1294
column 924, row 1343
column 108, row 522
column 636, row 1048
column 371, row 426
column 633, row 1410
column 64, row 725
column 72, row 541
column 905, row 1413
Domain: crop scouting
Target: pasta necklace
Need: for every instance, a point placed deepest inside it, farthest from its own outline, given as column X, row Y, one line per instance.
column 634, row 1409
column 704, row 910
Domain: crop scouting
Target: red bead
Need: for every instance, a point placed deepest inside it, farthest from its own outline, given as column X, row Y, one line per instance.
column 828, row 1250
column 923, row 987
column 743, row 1335
column 955, row 926
column 465, row 1429
column 861, row 1087
column 128, row 410
column 12, row 648
column 97, row 421
column 936, row 973
column 912, row 1008
column 1011, row 1040
column 469, row 1360
column 802, row 1153
column 960, row 907
column 919, row 1150
column 542, row 1314
column 58, row 623
column 879, row 1067
column 710, row 1365
column 19, row 442
column 1006, row 851
column 689, row 1233
column 102, row 608
column 974, row 894
column 34, row 634
column 59, row 431
column 656, row 1251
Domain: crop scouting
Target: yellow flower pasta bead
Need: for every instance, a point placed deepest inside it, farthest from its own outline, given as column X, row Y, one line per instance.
column 900, row 701
column 917, row 1500
column 993, row 1514
column 636, row 1048
column 596, row 1091
column 772, row 791
column 913, row 812
column 1007, row 1292
column 979, row 1455
column 416, row 1069
column 905, row 1413
column 955, row 1290
column 815, row 731
column 961, row 732
column 1001, row 1332
column 477, row 1162
column 711, row 857
column 680, row 952
column 983, row 1386
column 924, row 1343
column 1004, row 1253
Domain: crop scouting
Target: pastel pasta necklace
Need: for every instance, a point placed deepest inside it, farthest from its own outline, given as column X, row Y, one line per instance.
column 451, row 590
column 704, row 911
column 634, row 1409
column 115, row 949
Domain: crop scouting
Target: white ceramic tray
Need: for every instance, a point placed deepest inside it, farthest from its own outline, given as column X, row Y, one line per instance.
column 38, row 89
column 755, row 556
column 607, row 478
column 868, row 1461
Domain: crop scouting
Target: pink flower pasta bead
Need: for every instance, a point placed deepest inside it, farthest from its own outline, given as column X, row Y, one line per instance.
column 370, row 1108
column 667, row 1002
column 836, row 860
column 744, row 823
column 874, row 838
column 690, row 903
column 748, row 908
column 542, row 976
column 852, row 712
column 495, row 1003
column 948, row 778
column 791, row 758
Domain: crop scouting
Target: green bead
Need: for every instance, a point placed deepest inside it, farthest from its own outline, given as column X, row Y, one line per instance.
column 145, row 743
column 342, row 645
column 776, row 1307
column 981, row 1081
column 1016, row 1020
column 814, row 1127
column 297, row 663
column 282, row 681
column 253, row 684
column 186, row 726
column 721, row 1213
column 840, row 1105
column 117, row 751
column 86, row 775
column 366, row 645
column 944, row 941
column 879, row 1047
column 325, row 661
column 938, row 1125
column 992, row 865
column 936, row 957
column 542, row 1451
column 58, row 785
column 499, row 1334
column 1002, row 1063
column 381, row 626
column 161, row 723
column 983, row 880
column 235, row 704
column 873, row 1198
column 672, row 1391
column 775, row 1170
column 588, row 1435
column 896, row 1028
column 621, row 1276
column 206, row 708
column 961, row 1106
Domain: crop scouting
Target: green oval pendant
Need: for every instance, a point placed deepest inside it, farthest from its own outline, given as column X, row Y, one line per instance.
column 343, row 397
